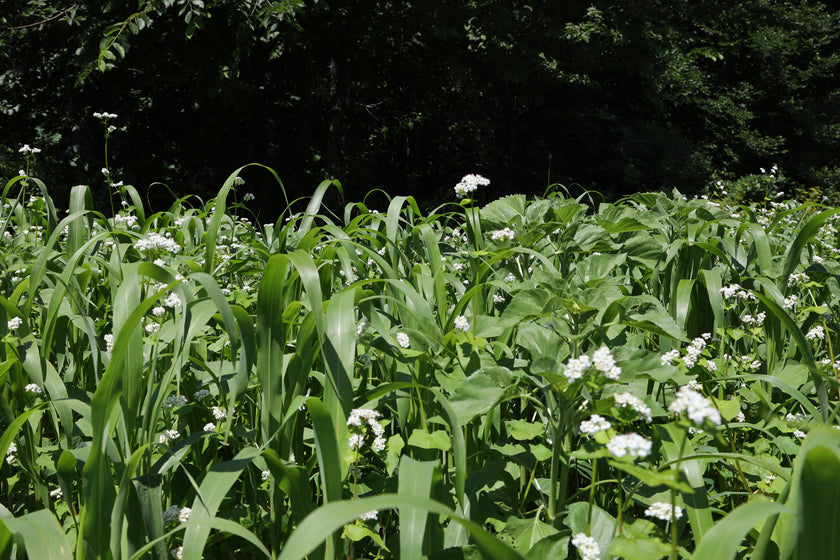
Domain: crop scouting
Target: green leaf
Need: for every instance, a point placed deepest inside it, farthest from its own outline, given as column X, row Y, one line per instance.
column 438, row 439
column 819, row 505
column 602, row 529
column 522, row 430
column 416, row 479
column 630, row 548
column 43, row 537
column 724, row 539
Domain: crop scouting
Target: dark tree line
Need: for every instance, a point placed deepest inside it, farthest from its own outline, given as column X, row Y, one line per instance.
column 618, row 95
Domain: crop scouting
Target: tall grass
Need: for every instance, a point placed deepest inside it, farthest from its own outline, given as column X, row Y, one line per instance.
column 543, row 378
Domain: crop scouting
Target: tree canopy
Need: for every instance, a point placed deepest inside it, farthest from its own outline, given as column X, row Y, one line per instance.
column 615, row 95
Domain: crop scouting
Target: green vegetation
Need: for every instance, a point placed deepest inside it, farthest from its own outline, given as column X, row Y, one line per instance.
column 538, row 378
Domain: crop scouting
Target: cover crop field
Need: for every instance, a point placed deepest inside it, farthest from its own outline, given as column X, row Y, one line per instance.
column 533, row 378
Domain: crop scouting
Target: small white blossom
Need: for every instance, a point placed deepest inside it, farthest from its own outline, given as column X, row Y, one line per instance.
column 173, row 301
column 498, row 298
column 265, row 475
column 664, row 511
column 209, row 427
column 631, row 444
column 174, row 401
column 469, row 183
column 57, row 493
column 178, row 553
column 629, row 400
column 169, row 435
column 158, row 311
column 668, row 357
column 740, row 417
column 200, row 394
column 501, row 234
column 695, row 406
column 184, row 514
column 594, row 425
column 576, row 367
column 461, row 323
column 587, row 546
column 816, row 332
column 219, row 413
column 15, row 323
column 799, row 434
column 369, row 516
column 33, row 389
column 109, row 342
column 403, row 340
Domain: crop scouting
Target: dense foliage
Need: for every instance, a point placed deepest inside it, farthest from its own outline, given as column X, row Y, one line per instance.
column 620, row 94
column 541, row 378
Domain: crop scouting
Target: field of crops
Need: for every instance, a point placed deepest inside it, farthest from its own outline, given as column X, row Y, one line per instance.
column 542, row 379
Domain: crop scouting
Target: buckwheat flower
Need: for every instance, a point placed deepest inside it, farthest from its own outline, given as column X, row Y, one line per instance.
column 184, row 514
column 57, row 493
column 668, row 357
column 173, row 301
column 10, row 453
column 695, row 406
column 174, row 401
column 355, row 440
column 576, row 367
column 461, row 323
column 363, row 324
column 369, row 516
column 594, row 425
column 378, row 444
column 22, row 173
column 501, row 234
column 157, row 241
column 740, row 417
column 359, row 414
column 219, row 413
column 816, row 332
column 692, row 353
column 469, row 183
column 664, row 511
column 627, row 400
column 603, row 361
column 248, row 197
column 265, row 475
column 152, row 328
column 587, row 546
column 200, row 394
column 105, row 171
column 169, row 435
column 631, row 444
column 27, row 150
column 403, row 340
column 33, row 389
column 109, row 342
column 498, row 298
column 14, row 323
column 178, row 553
column 209, row 427
column 818, row 259
column 799, row 434
column 795, row 418
column 158, row 311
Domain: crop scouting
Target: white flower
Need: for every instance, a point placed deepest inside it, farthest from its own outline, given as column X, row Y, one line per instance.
column 629, row 444
column 469, row 183
column 603, row 361
column 498, row 298
column 33, row 389
column 798, row 278
column 790, row 302
column 694, row 405
column 628, row 400
column 178, row 553
column 200, row 394
column 169, row 435
column 816, row 332
column 668, row 357
column 171, row 514
column 219, row 413
column 664, row 511
column 173, row 301
column 27, row 150
column 355, row 440
column 368, row 516
column 158, row 311
column 501, row 234
column 403, row 340
column 184, row 514
column 576, row 367
column 152, row 327
column 248, row 197
column 587, row 546
column 14, row 323
column 157, row 241
column 740, row 417
column 105, row 171
column 461, row 323
column 594, row 425
column 209, row 427
column 57, row 493
column 109, row 342
column 10, row 453
column 363, row 324
column 265, row 475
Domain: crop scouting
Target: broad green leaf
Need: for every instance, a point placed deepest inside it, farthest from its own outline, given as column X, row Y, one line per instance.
column 43, row 537
column 439, row 439
column 724, row 539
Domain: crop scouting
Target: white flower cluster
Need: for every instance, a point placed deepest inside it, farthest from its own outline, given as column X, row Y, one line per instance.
column 469, row 183
column 798, row 278
column 105, row 115
column 177, row 553
column 498, row 298
column 14, row 323
column 695, row 406
column 735, row 291
column 33, row 389
column 174, row 401
column 669, row 356
column 174, row 513
column 357, row 438
column 109, row 342
column 219, row 413
column 403, row 340
column 500, row 234
column 576, row 368
column 10, row 453
column 173, row 301
column 631, row 444
column 694, row 349
column 461, row 323
column 369, row 516
column 594, row 425
column 169, row 435
column 200, row 394
column 664, row 511
column 587, row 546
column 25, row 149
column 603, row 361
column 754, row 320
column 157, row 241
column 790, row 301
column 628, row 400
column 816, row 332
